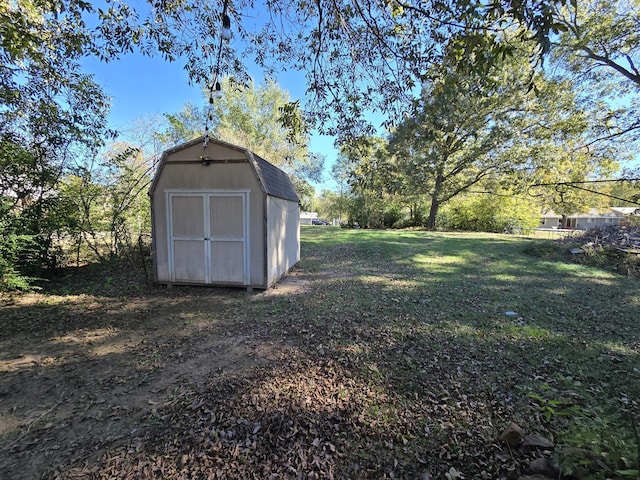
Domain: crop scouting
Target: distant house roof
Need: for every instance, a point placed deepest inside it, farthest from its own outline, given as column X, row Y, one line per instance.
column 597, row 213
column 627, row 210
column 551, row 214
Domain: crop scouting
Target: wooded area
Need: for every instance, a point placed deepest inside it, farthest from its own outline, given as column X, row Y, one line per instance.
column 447, row 114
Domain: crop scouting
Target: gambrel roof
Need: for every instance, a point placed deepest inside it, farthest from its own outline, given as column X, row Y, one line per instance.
column 273, row 181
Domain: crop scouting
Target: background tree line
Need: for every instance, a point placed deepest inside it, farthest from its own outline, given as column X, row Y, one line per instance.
column 472, row 97
column 490, row 149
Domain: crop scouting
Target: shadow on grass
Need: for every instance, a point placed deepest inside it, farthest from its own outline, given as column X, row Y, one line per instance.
column 396, row 359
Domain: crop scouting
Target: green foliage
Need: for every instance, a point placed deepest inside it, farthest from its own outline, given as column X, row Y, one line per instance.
column 596, row 431
column 628, row 190
column 11, row 281
column 33, row 214
column 363, row 166
column 109, row 205
column 292, row 119
column 331, row 205
column 360, row 60
column 597, row 441
column 51, row 115
column 601, row 41
column 183, row 126
column 600, row 46
column 393, row 214
column 10, row 250
column 47, row 217
column 550, row 405
column 462, row 130
column 306, row 194
column 26, row 245
column 489, row 213
column 356, row 60
column 252, row 117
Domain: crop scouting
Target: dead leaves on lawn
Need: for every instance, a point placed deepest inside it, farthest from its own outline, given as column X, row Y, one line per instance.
column 374, row 369
column 307, row 418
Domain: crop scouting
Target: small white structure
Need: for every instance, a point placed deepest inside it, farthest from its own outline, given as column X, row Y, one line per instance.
column 592, row 218
column 551, row 220
column 307, row 218
column 222, row 215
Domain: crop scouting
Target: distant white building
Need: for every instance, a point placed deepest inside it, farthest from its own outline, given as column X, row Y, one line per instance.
column 627, row 210
column 592, row 218
column 306, row 218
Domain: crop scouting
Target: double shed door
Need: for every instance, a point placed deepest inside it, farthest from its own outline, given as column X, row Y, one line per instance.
column 208, row 237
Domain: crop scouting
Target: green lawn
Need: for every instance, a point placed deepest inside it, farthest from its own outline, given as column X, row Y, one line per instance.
column 427, row 312
column 394, row 358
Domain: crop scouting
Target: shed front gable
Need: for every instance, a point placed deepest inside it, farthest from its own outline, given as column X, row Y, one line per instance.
column 190, row 186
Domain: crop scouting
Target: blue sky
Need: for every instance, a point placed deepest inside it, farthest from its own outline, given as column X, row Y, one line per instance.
column 141, row 87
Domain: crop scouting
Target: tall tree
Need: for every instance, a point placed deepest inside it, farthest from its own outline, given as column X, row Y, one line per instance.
column 249, row 116
column 52, row 118
column 50, row 114
column 453, row 137
column 600, row 45
column 468, row 127
column 363, row 161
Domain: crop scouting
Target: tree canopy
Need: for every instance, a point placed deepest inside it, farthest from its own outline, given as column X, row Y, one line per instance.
column 250, row 116
column 600, row 47
column 358, row 55
column 483, row 131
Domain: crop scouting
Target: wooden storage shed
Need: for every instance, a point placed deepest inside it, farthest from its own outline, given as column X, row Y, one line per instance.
column 221, row 215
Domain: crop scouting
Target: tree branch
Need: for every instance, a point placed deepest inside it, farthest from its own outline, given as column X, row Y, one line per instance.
column 610, row 137
column 634, row 77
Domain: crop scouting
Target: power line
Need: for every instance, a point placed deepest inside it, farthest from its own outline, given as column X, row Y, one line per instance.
column 561, row 187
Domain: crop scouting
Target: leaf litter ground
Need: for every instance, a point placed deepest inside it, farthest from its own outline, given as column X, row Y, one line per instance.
column 383, row 355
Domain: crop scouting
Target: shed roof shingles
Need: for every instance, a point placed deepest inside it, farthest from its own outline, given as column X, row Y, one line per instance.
column 276, row 182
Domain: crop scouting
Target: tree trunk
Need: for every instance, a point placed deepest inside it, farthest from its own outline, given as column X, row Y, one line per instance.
column 433, row 212
column 435, row 203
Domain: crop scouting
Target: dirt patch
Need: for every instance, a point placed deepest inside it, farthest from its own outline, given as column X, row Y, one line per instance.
column 292, row 284
column 78, row 373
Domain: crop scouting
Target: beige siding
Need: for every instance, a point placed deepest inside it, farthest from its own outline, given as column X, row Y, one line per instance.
column 182, row 171
column 189, row 265
column 283, row 239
